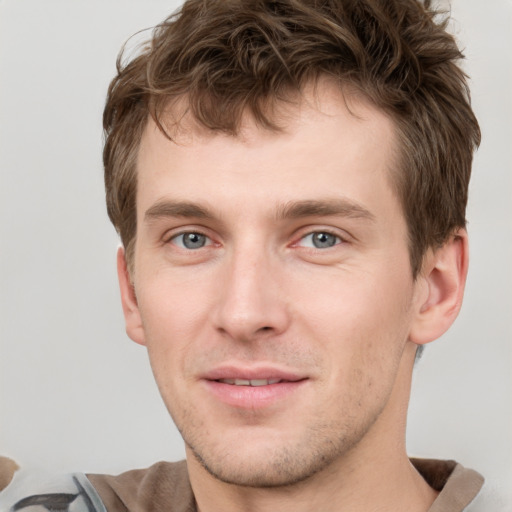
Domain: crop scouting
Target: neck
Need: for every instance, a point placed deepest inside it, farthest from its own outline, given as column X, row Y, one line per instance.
column 374, row 476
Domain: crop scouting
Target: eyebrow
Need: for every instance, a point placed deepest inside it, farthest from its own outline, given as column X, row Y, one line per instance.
column 339, row 207
column 185, row 209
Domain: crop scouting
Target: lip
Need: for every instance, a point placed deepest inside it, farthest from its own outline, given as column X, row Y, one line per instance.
column 249, row 396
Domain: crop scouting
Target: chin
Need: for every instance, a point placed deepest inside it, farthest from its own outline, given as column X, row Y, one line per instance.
column 277, row 464
column 278, row 472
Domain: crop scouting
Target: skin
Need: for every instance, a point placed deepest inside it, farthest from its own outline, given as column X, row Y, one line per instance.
column 286, row 255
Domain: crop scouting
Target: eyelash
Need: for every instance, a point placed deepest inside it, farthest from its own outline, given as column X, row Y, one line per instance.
column 174, row 237
column 337, row 239
column 208, row 241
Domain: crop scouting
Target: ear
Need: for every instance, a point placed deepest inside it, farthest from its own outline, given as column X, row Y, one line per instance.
column 442, row 283
column 131, row 311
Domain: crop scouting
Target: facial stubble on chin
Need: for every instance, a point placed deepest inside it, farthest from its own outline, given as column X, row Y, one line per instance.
column 286, row 466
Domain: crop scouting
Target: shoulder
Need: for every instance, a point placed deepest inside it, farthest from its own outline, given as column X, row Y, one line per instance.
column 163, row 486
column 457, row 486
column 65, row 493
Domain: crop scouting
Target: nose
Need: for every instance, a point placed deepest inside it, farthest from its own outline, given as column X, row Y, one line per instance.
column 251, row 302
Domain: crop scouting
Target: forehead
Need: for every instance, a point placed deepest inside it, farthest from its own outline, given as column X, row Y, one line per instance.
column 325, row 135
column 322, row 98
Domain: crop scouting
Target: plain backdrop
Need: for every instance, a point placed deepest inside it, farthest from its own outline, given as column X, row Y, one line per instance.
column 75, row 393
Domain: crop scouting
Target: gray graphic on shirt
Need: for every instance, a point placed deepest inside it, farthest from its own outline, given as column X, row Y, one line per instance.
column 55, row 502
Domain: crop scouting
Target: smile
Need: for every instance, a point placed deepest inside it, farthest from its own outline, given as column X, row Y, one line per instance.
column 241, row 390
column 251, row 382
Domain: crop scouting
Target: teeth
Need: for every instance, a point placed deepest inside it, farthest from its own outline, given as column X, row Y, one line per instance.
column 259, row 382
column 253, row 382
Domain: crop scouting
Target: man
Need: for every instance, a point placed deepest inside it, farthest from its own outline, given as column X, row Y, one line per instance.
column 289, row 180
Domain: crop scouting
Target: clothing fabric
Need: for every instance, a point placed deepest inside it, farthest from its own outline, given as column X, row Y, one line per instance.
column 457, row 485
column 165, row 486
column 34, row 491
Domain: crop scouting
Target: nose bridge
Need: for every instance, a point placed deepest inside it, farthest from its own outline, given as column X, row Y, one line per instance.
column 251, row 301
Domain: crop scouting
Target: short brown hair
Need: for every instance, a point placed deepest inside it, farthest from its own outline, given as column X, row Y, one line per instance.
column 228, row 57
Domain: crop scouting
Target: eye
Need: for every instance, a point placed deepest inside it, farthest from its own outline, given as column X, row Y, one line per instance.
column 191, row 240
column 320, row 240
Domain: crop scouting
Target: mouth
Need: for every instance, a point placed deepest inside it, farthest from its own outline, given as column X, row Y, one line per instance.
column 252, row 388
column 250, row 382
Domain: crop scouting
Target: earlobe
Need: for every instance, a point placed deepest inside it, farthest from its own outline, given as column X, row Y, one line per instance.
column 131, row 311
column 444, row 277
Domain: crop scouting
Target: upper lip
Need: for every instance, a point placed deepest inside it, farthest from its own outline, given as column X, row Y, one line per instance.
column 252, row 373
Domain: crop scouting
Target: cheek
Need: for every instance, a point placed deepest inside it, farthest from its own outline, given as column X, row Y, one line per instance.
column 355, row 305
column 173, row 319
column 360, row 322
column 173, row 303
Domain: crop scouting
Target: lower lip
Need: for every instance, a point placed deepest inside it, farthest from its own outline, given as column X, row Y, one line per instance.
column 252, row 397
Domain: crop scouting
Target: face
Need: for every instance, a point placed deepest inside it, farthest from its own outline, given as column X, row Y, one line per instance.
column 273, row 287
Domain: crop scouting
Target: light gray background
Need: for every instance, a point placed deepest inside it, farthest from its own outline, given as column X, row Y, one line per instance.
column 75, row 393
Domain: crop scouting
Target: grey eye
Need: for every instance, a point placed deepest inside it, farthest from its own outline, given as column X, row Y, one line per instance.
column 191, row 240
column 320, row 240
column 323, row 240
